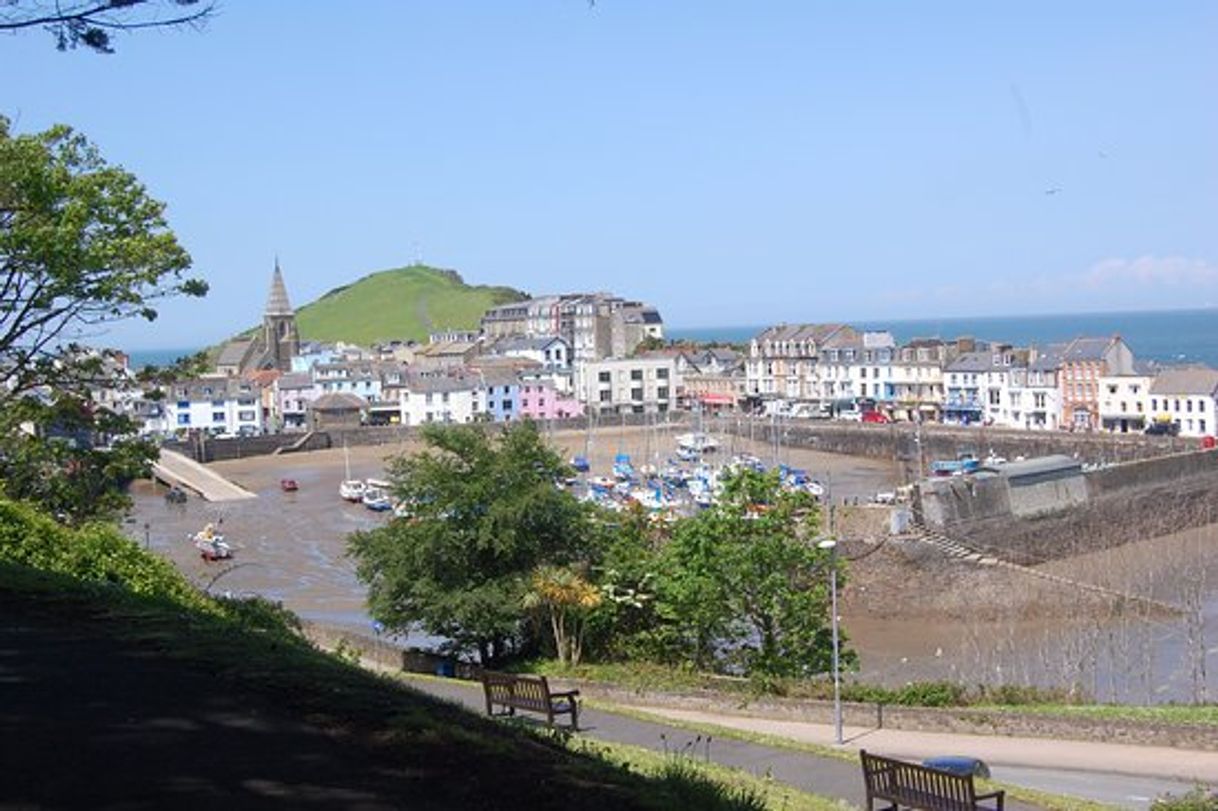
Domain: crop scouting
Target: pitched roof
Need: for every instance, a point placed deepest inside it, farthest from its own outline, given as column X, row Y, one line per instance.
column 800, row 332
column 1189, row 380
column 338, row 401
column 295, row 380
column 233, row 353
column 277, row 302
column 1087, row 349
column 972, row 362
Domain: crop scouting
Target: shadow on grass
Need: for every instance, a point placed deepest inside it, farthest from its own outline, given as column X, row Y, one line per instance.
column 113, row 697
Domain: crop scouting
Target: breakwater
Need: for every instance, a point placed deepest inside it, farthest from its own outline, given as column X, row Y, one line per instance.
column 913, row 447
column 1075, row 513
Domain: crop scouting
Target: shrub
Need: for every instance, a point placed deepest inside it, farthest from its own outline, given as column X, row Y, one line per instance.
column 1199, row 799
column 95, row 553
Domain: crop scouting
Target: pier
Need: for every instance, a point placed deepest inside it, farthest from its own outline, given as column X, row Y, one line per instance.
column 175, row 469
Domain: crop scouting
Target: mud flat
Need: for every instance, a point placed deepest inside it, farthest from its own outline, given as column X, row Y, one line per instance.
column 291, row 547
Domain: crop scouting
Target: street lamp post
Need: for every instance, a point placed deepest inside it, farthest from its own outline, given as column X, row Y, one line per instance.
column 831, row 545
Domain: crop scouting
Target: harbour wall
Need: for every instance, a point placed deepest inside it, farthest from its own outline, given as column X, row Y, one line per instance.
column 914, row 447
column 1083, row 512
column 203, row 448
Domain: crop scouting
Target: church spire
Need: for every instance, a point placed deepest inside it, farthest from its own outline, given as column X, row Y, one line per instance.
column 277, row 301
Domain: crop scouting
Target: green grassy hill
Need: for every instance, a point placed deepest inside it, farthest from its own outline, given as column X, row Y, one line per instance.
column 403, row 303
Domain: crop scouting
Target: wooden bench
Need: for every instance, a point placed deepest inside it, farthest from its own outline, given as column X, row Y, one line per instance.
column 522, row 692
column 914, row 786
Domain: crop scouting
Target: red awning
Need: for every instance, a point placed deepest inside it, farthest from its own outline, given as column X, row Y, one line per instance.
column 718, row 399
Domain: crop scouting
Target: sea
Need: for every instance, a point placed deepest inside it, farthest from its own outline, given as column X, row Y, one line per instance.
column 1163, row 336
column 1166, row 337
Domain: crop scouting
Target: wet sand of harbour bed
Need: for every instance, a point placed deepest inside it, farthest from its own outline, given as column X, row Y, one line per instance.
column 290, row 546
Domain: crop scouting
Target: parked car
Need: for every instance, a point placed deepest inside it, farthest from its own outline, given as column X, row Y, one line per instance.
column 877, row 417
column 1163, row 428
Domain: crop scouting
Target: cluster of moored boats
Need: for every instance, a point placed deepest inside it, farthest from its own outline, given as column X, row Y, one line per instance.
column 372, row 493
column 687, row 482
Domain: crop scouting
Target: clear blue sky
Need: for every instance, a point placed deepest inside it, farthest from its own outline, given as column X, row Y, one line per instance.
column 734, row 163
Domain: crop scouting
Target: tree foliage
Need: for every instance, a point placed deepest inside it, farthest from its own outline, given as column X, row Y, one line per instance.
column 486, row 515
column 91, row 23
column 82, row 245
column 566, row 598
column 743, row 583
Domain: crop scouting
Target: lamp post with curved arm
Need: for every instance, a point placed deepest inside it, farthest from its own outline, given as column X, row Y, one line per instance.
column 831, row 545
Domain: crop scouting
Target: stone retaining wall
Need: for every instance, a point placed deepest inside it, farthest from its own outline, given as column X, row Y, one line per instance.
column 386, row 654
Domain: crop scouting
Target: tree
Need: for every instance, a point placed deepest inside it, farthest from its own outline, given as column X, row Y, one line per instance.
column 47, row 457
column 566, row 597
column 82, row 246
column 90, row 23
column 486, row 515
column 746, row 580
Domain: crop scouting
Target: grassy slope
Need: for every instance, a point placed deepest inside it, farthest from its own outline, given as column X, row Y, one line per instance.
column 403, row 303
column 101, row 584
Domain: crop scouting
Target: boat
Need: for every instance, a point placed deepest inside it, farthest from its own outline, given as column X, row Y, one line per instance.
column 622, row 469
column 376, row 495
column 350, row 489
column 965, row 463
column 580, row 463
column 601, row 482
column 211, row 544
column 698, row 442
column 288, row 485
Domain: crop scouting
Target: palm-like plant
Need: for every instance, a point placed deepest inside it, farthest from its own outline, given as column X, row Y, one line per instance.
column 567, row 597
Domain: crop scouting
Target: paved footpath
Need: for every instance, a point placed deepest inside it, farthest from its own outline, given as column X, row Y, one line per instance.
column 1118, row 774
column 827, row 776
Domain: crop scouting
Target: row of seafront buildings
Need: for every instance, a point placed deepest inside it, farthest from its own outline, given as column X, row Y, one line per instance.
column 1089, row 383
column 550, row 357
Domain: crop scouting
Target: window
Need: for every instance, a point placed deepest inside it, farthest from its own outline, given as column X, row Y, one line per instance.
column 217, row 416
column 603, row 377
column 1154, row 404
column 247, row 416
column 428, row 401
column 183, row 404
column 1124, row 407
column 605, row 396
column 506, row 405
column 662, row 374
column 245, row 401
column 1201, row 426
column 636, row 374
column 444, row 397
column 863, row 371
column 1177, row 406
column 636, row 394
column 217, row 404
column 662, row 393
column 1188, row 405
column 183, row 419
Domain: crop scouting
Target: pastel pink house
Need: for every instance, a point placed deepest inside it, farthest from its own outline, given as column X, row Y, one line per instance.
column 540, row 401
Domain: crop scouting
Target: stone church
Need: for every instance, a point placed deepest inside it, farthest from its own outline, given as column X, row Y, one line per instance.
column 270, row 347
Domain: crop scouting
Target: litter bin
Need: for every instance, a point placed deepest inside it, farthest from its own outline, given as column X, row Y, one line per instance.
column 960, row 765
column 446, row 669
